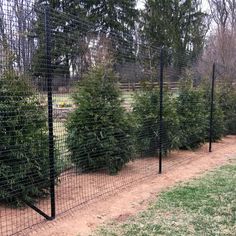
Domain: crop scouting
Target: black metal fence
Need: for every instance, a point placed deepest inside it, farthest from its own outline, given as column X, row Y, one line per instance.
column 84, row 112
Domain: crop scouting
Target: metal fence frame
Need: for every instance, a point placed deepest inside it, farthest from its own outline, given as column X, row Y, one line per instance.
column 51, row 142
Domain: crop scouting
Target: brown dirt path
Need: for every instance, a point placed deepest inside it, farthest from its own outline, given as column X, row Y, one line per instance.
column 136, row 197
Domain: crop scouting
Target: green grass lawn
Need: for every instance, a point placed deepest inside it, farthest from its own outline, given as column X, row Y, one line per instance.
column 63, row 100
column 63, row 161
column 59, row 129
column 128, row 95
column 206, row 206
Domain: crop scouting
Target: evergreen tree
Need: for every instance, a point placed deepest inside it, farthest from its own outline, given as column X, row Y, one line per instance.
column 218, row 125
column 178, row 25
column 116, row 18
column 24, row 163
column 146, row 111
column 71, row 21
column 67, row 40
column 227, row 102
column 99, row 133
column 193, row 115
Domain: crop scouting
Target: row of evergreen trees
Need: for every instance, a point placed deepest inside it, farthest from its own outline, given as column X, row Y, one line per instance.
column 178, row 25
column 101, row 133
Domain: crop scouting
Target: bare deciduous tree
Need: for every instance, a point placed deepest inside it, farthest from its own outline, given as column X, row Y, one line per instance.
column 221, row 44
column 16, row 23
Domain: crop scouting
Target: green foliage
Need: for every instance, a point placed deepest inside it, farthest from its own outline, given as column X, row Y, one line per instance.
column 218, row 128
column 65, row 30
column 99, row 133
column 117, row 17
column 146, row 110
column 227, row 102
column 24, row 165
column 176, row 25
column 192, row 114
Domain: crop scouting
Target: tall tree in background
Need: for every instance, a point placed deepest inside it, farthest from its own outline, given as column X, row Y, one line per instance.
column 178, row 25
column 117, row 19
column 82, row 27
column 68, row 37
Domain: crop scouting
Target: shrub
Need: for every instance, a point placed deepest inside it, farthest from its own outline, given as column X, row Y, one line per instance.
column 146, row 111
column 99, row 133
column 218, row 127
column 24, row 165
column 192, row 115
column 227, row 102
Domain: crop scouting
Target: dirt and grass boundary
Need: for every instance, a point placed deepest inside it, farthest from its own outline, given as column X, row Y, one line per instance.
column 205, row 206
column 131, row 199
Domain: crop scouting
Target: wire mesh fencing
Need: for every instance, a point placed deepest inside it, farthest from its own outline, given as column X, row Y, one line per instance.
column 224, row 97
column 85, row 111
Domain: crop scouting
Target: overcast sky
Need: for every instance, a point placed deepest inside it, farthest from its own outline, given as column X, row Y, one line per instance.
column 205, row 5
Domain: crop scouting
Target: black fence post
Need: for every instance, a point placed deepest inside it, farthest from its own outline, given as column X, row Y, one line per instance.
column 50, row 110
column 161, row 110
column 212, row 107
